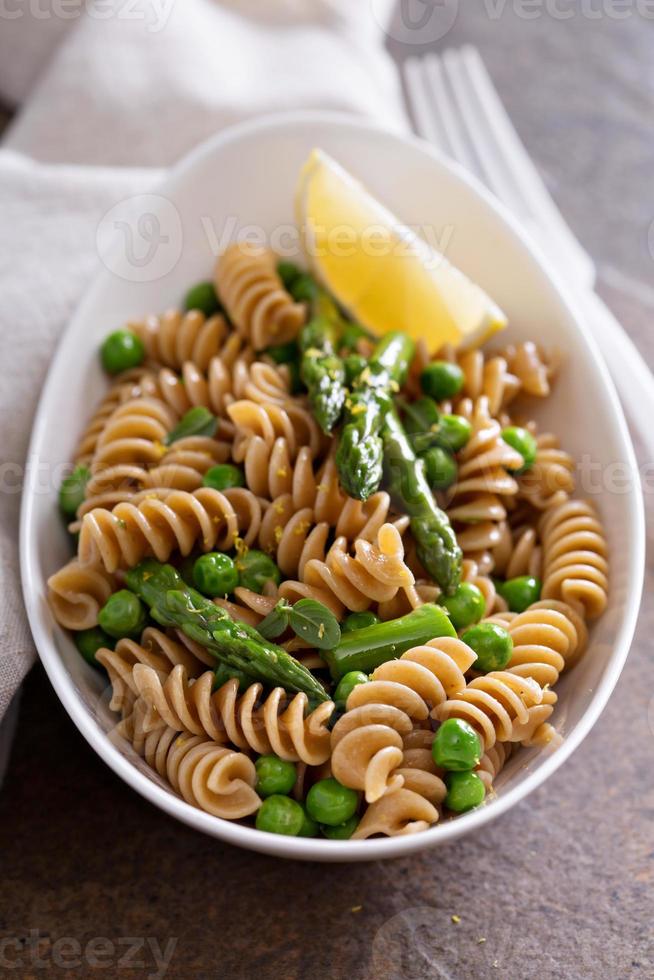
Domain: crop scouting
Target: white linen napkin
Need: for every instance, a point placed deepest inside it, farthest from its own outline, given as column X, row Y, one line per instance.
column 116, row 95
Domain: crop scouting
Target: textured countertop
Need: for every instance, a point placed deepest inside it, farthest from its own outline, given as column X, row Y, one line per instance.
column 562, row 886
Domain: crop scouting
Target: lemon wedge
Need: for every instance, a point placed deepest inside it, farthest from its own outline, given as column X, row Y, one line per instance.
column 382, row 272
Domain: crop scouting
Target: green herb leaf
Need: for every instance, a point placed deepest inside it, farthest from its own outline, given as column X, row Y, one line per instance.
column 315, row 623
column 198, row 421
column 276, row 622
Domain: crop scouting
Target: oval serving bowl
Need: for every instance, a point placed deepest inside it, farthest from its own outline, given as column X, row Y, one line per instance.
column 245, row 176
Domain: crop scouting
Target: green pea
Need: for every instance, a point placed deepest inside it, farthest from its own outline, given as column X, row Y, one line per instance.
column 274, row 775
column 456, row 746
column 255, row 568
column 454, row 432
column 284, row 353
column 288, row 272
column 123, row 614
column 310, row 827
column 223, row 476
column 343, row 831
column 304, row 288
column 215, row 574
column 440, row 468
column 121, row 350
column 441, row 380
column 73, row 490
column 466, row 606
column 359, row 621
column 524, row 443
column 492, row 644
column 347, row 684
column 280, row 815
column 354, row 365
column 88, row 642
column 520, row 592
column 203, row 297
column 465, row 791
column 331, row 803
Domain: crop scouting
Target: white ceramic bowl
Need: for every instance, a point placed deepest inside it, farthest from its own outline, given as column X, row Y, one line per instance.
column 247, row 175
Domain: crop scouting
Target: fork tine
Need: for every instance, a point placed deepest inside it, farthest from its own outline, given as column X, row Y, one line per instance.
column 491, row 159
column 444, row 106
column 510, row 170
column 421, row 104
column 481, row 90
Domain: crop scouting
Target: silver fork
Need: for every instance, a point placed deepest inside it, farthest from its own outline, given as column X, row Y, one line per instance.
column 456, row 107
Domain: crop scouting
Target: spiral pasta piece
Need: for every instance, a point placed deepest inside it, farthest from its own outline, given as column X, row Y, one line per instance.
column 125, row 386
column 488, row 376
column 172, row 339
column 181, row 467
column 209, row 776
column 492, row 763
column 544, row 640
column 497, row 705
column 476, row 506
column 222, row 384
column 277, row 724
column 534, row 369
column 368, row 740
column 155, row 650
column 134, row 434
column 161, row 524
column 418, row 769
column 575, row 566
column 376, row 572
column 255, row 298
column 294, row 422
column 400, row 813
column 76, row 594
column 551, row 479
column 517, row 552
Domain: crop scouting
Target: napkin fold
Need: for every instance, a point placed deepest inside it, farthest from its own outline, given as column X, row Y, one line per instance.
column 112, row 95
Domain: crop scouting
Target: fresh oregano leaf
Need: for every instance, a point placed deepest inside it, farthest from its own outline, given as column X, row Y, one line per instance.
column 315, row 624
column 276, row 622
column 198, row 421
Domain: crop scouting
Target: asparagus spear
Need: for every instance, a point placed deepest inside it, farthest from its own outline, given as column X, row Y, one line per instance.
column 321, row 369
column 367, row 648
column 438, row 549
column 173, row 603
column 360, row 450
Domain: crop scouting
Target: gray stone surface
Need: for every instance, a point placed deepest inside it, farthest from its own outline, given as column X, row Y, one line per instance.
column 562, row 886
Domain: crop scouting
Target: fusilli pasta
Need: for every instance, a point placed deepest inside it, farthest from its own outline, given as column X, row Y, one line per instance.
column 272, row 724
column 155, row 650
column 575, row 566
column 76, row 593
column 497, row 705
column 375, row 574
column 367, row 741
column 175, row 338
column 164, row 522
column 255, row 298
column 207, row 775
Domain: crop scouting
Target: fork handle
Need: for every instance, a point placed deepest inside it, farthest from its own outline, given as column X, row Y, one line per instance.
column 631, row 375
